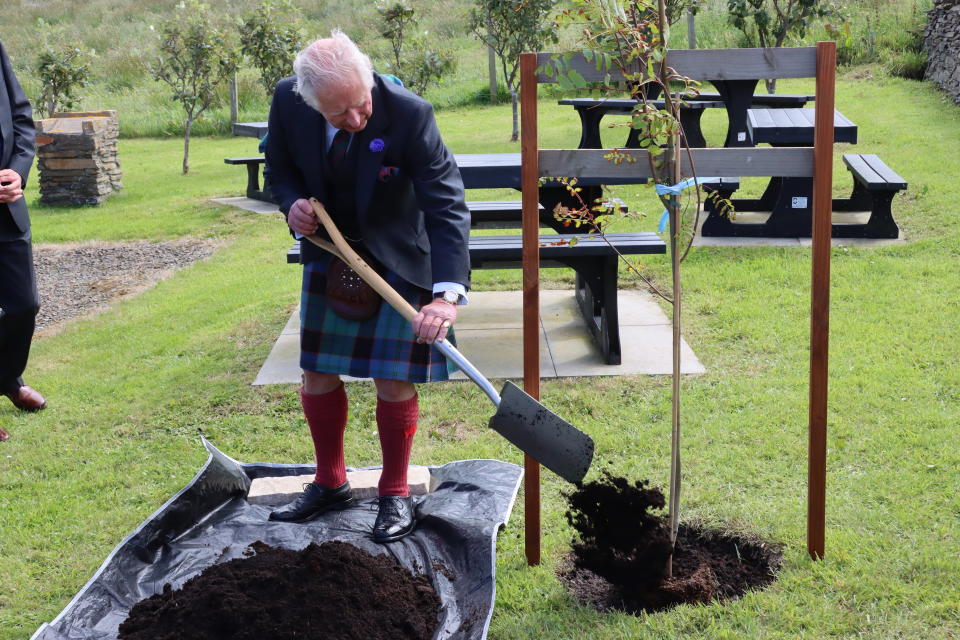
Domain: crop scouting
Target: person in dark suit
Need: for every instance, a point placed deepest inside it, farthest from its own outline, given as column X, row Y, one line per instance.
column 371, row 153
column 18, row 289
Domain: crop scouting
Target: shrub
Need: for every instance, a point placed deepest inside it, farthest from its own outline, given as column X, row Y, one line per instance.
column 62, row 69
column 271, row 37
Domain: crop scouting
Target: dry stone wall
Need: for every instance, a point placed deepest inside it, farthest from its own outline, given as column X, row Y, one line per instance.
column 941, row 41
column 77, row 157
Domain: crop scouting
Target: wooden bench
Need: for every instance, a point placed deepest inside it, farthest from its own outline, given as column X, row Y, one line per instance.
column 497, row 214
column 592, row 258
column 874, row 185
column 254, row 190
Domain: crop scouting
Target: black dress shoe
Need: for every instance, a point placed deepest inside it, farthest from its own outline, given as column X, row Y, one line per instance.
column 395, row 518
column 314, row 500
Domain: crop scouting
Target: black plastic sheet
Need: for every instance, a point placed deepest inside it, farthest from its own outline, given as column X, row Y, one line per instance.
column 210, row 521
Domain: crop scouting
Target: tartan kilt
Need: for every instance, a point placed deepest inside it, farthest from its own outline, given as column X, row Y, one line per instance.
column 382, row 347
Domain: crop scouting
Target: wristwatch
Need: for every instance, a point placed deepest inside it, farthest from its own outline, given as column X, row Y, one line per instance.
column 448, row 296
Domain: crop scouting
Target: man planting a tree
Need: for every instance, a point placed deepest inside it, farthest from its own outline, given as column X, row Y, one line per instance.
column 371, row 153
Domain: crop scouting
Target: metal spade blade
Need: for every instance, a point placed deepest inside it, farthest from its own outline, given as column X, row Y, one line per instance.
column 542, row 434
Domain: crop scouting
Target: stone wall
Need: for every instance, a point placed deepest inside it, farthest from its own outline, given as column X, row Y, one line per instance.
column 941, row 41
column 77, row 157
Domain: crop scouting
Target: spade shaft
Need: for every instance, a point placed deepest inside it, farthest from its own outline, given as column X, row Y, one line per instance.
column 534, row 429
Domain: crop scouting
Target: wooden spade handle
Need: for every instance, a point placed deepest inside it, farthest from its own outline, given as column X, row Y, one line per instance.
column 341, row 248
column 346, row 253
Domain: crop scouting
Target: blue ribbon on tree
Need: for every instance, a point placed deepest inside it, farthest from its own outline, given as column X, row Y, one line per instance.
column 676, row 190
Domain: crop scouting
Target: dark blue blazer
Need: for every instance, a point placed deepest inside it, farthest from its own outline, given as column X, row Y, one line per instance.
column 17, row 133
column 410, row 202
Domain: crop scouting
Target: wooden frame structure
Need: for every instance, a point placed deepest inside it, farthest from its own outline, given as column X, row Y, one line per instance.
column 817, row 162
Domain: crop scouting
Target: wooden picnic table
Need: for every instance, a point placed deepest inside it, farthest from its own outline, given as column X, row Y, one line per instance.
column 739, row 96
column 250, row 129
column 736, row 98
column 794, row 127
column 789, row 200
column 592, row 111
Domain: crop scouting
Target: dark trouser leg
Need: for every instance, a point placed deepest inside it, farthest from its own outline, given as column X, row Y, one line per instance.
column 20, row 303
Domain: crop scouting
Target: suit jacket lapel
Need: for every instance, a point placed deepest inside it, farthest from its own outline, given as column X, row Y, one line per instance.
column 373, row 144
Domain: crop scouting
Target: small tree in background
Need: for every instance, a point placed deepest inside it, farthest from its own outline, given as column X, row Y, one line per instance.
column 416, row 61
column 512, row 27
column 62, row 69
column 271, row 36
column 768, row 23
column 397, row 18
column 195, row 57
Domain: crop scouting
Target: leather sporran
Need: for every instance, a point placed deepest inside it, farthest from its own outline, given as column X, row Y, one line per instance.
column 347, row 294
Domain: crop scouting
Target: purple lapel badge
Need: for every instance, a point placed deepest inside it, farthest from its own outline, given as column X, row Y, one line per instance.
column 377, row 145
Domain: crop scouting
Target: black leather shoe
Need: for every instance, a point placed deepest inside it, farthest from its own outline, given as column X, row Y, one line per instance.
column 395, row 518
column 314, row 500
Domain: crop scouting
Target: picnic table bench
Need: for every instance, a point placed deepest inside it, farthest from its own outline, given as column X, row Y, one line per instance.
column 254, row 190
column 593, row 260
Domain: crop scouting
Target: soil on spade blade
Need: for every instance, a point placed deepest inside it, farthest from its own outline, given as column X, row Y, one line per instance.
column 333, row 591
column 620, row 559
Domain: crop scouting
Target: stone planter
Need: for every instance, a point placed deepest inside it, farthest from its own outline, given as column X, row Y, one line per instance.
column 77, row 157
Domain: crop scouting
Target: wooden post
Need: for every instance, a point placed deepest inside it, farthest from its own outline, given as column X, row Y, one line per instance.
column 691, row 29
column 820, row 296
column 531, row 287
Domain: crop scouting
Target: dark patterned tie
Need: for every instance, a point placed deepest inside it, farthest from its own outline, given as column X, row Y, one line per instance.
column 338, row 148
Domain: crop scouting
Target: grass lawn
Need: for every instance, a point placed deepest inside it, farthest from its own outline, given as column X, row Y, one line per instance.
column 128, row 389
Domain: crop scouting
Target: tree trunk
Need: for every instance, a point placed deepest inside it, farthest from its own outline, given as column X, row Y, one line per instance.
column 234, row 101
column 771, row 85
column 492, row 70
column 186, row 145
column 691, row 30
column 673, row 167
column 516, row 122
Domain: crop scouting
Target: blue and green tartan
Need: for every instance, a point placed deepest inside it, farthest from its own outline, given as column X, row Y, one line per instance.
column 382, row 347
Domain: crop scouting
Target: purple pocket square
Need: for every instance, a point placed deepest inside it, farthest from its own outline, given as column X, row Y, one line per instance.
column 386, row 173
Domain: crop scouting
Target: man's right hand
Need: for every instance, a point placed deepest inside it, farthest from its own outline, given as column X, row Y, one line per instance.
column 10, row 186
column 302, row 219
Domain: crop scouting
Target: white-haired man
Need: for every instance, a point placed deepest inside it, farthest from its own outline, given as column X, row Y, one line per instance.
column 370, row 151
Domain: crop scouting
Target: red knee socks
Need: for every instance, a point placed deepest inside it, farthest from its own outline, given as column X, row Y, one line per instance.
column 396, row 424
column 326, row 415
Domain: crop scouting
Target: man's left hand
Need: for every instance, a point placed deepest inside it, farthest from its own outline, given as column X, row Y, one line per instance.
column 10, row 186
column 434, row 320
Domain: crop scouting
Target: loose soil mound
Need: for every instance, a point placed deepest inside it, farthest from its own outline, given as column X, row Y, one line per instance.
column 620, row 560
column 333, row 591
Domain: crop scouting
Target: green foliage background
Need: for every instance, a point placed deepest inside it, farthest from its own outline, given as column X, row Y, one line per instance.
column 122, row 34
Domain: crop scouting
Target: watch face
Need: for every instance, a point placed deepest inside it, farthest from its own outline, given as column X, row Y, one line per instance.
column 451, row 296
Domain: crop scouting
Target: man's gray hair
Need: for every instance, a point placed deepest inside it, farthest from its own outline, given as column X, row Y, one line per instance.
column 327, row 63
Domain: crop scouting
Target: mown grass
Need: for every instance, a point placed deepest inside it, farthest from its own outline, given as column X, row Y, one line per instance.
column 129, row 388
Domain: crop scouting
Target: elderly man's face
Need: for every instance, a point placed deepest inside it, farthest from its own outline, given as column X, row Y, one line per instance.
column 348, row 106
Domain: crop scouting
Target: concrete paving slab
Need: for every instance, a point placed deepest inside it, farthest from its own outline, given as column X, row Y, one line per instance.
column 282, row 366
column 844, row 217
column 248, row 204
column 489, row 333
column 498, row 352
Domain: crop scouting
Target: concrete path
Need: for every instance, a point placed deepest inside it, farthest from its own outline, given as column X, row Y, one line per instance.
column 489, row 328
column 489, row 334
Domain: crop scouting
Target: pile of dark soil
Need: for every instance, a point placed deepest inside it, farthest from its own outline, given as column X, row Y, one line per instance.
column 620, row 559
column 333, row 591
